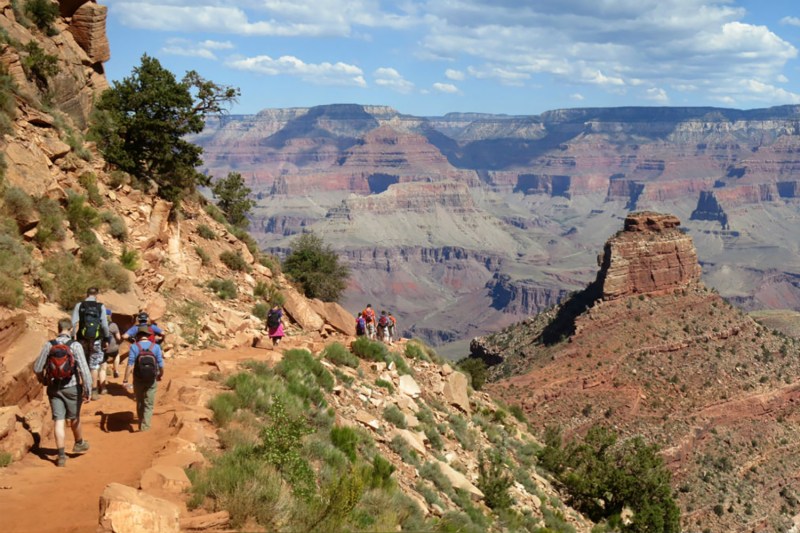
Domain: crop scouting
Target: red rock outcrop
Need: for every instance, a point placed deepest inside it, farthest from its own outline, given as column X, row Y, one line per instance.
column 651, row 255
column 88, row 26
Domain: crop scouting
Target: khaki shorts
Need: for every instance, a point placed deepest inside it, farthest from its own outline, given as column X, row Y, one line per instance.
column 66, row 403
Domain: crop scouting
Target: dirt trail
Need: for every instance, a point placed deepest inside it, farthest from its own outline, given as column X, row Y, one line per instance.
column 37, row 497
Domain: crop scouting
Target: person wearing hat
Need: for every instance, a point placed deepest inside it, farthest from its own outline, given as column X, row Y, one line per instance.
column 143, row 319
column 140, row 357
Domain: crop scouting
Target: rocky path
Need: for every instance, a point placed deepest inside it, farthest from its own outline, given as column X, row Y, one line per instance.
column 38, row 497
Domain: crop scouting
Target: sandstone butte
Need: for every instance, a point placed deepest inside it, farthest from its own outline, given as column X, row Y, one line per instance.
column 136, row 482
column 648, row 349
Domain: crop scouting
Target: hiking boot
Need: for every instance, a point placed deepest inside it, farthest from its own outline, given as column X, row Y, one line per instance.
column 95, row 395
column 81, row 447
column 104, row 390
column 61, row 461
column 116, row 374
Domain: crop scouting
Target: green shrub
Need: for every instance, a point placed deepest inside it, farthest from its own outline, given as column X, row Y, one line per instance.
column 338, row 354
column 215, row 213
column 399, row 446
column 434, row 437
column 206, row 232
column 316, row 267
column 261, row 290
column 369, row 350
column 93, row 254
column 43, row 14
column 81, row 216
column 475, row 368
column 89, row 182
column 51, row 219
column 305, row 375
column 12, row 292
column 271, row 262
column 38, row 65
column 18, row 203
column 385, row 384
column 276, row 297
column 205, row 259
column 75, row 142
column 233, row 198
column 462, row 432
column 417, row 349
column 119, row 178
column 225, row 289
column 71, row 279
column 399, row 363
column 224, row 407
column 116, row 276
column 129, row 259
column 394, row 415
column 517, row 412
column 261, row 310
column 494, row 481
column 5, row 459
column 116, row 225
column 381, row 475
column 192, row 312
column 345, row 439
column 234, row 261
column 434, row 474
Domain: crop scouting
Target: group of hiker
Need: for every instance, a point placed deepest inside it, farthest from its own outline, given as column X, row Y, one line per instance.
column 381, row 327
column 74, row 366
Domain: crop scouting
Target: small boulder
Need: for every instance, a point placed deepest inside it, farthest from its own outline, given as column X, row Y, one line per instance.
column 409, row 387
column 455, row 391
column 164, row 478
column 124, row 509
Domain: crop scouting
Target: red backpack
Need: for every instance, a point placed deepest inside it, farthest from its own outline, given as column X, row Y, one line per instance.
column 60, row 364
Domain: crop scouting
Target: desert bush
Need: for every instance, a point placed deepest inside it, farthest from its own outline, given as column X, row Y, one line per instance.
column 234, row 261
column 88, row 181
column 116, row 225
column 494, row 481
column 75, row 142
column 369, row 350
column 394, row 415
column 225, row 289
column 517, row 412
column 316, row 267
column 93, row 254
column 116, row 276
column 338, row 354
column 38, row 65
column 5, row 459
column 12, row 292
column 206, row 232
column 260, row 310
column 192, row 313
column 381, row 474
column 399, row 446
column 205, row 259
column 271, row 262
column 119, row 178
column 81, row 216
column 434, row 474
column 475, row 368
column 17, row 203
column 261, row 290
column 214, row 212
column 51, row 218
column 399, row 363
column 462, row 432
column 345, row 439
column 129, row 259
column 385, row 384
column 70, row 278
column 43, row 14
column 305, row 375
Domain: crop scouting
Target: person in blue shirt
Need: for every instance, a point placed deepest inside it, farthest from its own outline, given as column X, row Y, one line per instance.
column 142, row 319
column 144, row 390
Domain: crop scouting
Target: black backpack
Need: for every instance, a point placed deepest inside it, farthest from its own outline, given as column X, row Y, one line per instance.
column 89, row 324
column 146, row 366
column 274, row 319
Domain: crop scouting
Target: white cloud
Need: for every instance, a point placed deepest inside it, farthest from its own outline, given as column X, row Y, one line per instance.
column 448, row 88
column 204, row 49
column 792, row 21
column 506, row 76
column 455, row 75
column 268, row 17
column 576, row 96
column 391, row 79
column 319, row 73
column 656, row 95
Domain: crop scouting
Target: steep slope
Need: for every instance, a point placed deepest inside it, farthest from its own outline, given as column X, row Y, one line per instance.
column 556, row 184
column 649, row 349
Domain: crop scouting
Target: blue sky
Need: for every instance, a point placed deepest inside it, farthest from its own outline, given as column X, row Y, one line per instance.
column 431, row 57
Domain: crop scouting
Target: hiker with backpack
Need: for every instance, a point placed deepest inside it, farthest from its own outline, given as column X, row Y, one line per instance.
column 146, row 363
column 275, row 324
column 383, row 327
column 369, row 318
column 90, row 328
column 111, row 351
column 361, row 325
column 392, row 328
column 62, row 366
column 143, row 319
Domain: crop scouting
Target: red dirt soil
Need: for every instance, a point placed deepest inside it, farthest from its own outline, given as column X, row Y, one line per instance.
column 38, row 497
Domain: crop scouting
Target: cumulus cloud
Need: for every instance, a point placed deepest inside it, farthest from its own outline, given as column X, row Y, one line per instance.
column 204, row 49
column 391, row 79
column 319, row 73
column 447, row 88
column 576, row 96
column 269, row 17
column 503, row 75
column 656, row 95
column 791, row 21
column 455, row 75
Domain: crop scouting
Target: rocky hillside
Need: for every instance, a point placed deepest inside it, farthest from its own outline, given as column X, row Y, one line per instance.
column 649, row 349
column 549, row 188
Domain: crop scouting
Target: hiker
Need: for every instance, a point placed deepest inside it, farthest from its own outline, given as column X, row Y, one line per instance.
column 369, row 318
column 383, row 327
column 392, row 327
column 62, row 366
column 361, row 325
column 275, row 324
column 143, row 319
column 90, row 328
column 112, row 354
column 146, row 361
